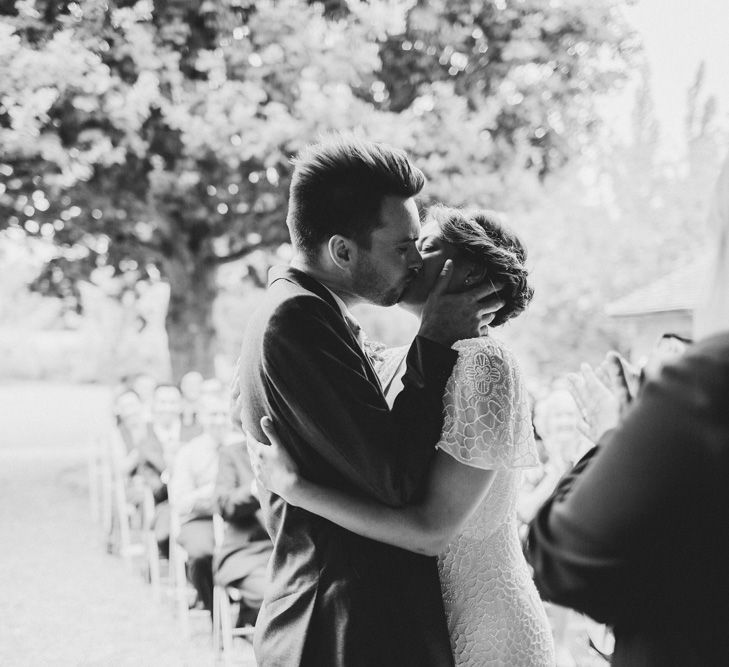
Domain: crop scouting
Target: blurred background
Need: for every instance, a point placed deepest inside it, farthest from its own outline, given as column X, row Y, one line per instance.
column 144, row 165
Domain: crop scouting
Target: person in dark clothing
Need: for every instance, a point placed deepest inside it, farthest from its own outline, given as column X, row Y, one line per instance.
column 192, row 487
column 156, row 453
column 637, row 534
column 242, row 558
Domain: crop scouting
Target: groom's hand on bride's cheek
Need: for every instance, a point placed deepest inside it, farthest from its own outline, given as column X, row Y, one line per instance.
column 491, row 304
column 452, row 316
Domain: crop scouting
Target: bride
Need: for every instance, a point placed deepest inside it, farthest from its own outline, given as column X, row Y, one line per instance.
column 467, row 514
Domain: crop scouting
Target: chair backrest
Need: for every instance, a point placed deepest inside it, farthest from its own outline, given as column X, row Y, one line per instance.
column 218, row 529
column 175, row 521
column 148, row 513
column 114, row 445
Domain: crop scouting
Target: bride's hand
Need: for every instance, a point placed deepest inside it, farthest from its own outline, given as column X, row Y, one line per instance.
column 274, row 469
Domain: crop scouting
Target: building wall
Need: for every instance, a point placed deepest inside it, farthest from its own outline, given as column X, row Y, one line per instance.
column 639, row 333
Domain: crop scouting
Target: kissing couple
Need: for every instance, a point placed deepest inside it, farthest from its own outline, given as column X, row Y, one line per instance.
column 388, row 478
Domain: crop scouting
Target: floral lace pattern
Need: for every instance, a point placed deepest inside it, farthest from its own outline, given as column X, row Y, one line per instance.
column 495, row 615
column 487, row 418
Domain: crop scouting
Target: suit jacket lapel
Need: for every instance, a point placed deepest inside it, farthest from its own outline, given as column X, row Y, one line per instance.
column 313, row 285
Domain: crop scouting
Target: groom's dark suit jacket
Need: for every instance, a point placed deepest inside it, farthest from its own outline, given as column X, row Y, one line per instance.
column 335, row 598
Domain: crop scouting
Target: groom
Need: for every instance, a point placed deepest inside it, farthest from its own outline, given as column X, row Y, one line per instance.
column 335, row 599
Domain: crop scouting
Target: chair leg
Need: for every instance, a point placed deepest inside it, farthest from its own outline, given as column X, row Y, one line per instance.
column 122, row 513
column 93, row 471
column 152, row 554
column 226, row 627
column 217, row 618
column 107, row 506
column 183, row 610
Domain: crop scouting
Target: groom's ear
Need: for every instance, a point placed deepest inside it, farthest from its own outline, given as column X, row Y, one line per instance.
column 341, row 252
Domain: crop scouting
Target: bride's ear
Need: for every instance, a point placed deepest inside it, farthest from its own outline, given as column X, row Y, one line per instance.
column 475, row 275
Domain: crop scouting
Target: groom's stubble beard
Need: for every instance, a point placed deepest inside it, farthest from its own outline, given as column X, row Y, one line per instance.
column 415, row 294
column 372, row 286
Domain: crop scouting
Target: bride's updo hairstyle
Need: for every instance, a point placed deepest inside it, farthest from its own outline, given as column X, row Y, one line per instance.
column 480, row 236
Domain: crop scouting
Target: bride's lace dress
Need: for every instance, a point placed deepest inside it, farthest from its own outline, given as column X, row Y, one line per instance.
column 495, row 615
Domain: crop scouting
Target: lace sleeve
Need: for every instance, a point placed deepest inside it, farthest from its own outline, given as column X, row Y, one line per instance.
column 487, row 418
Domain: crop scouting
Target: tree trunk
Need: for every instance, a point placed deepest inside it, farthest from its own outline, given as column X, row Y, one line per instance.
column 189, row 323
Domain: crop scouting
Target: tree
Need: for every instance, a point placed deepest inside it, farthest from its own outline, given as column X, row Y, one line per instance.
column 155, row 137
column 503, row 87
column 158, row 137
column 622, row 216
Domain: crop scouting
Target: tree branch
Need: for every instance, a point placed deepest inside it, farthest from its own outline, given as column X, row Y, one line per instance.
column 236, row 254
column 149, row 245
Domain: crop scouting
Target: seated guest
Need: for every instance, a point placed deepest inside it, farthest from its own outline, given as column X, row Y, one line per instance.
column 166, row 432
column 556, row 419
column 144, row 385
column 132, row 427
column 157, row 452
column 212, row 386
column 167, row 426
column 192, row 485
column 242, row 559
column 191, row 387
column 161, row 441
column 125, row 441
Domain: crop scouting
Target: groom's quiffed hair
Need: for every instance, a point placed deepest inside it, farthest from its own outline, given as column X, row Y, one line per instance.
column 338, row 186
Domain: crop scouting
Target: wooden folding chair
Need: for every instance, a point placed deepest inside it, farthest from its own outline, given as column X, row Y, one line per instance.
column 183, row 589
column 103, row 469
column 224, row 597
column 153, row 558
column 94, row 460
column 127, row 517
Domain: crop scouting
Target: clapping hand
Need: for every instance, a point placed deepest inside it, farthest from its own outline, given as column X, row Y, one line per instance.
column 622, row 377
column 597, row 403
column 274, row 469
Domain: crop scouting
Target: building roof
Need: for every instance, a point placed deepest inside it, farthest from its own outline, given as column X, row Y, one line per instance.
column 679, row 290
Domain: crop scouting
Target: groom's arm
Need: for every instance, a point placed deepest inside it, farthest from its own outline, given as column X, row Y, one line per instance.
column 328, row 408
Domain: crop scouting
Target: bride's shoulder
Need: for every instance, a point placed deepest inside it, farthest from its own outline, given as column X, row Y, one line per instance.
column 486, row 357
column 487, row 416
column 484, row 349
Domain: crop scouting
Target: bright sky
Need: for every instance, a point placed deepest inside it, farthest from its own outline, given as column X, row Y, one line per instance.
column 678, row 35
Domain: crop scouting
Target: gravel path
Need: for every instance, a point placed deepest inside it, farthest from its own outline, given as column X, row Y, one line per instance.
column 63, row 599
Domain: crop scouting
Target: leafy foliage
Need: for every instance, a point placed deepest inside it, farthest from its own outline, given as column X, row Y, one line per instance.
column 155, row 137
column 618, row 219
